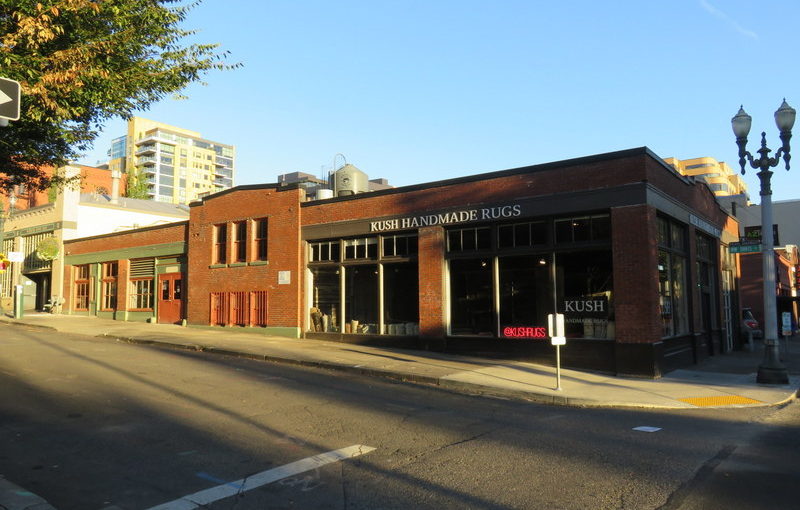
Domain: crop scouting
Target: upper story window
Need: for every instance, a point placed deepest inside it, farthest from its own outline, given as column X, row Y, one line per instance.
column 240, row 241
column 220, row 244
column 260, row 238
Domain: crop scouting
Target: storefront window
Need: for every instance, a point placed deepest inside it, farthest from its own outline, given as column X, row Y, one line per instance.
column 325, row 310
column 141, row 294
column 395, row 269
column 526, row 295
column 673, row 298
column 522, row 234
column 526, row 284
column 585, row 292
column 325, row 251
column 471, row 309
column 363, row 248
column 399, row 246
column 583, row 228
column 361, row 299
column 469, row 239
column 400, row 307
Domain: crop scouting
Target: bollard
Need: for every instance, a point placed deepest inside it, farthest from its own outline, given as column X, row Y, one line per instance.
column 19, row 302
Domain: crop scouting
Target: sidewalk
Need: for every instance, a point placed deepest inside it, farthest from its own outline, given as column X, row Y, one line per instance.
column 727, row 380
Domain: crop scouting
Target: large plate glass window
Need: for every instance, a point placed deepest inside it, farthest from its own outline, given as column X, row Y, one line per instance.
column 526, row 295
column 585, row 292
column 505, row 279
column 472, row 309
column 365, row 285
column 673, row 298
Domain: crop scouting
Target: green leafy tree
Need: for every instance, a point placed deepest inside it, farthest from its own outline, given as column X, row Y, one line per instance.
column 137, row 185
column 82, row 62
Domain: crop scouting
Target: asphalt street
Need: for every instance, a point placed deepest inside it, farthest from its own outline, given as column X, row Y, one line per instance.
column 92, row 424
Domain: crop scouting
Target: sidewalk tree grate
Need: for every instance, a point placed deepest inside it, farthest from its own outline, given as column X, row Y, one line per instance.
column 722, row 400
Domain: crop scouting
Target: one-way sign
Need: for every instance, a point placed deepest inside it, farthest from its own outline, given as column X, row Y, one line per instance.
column 9, row 99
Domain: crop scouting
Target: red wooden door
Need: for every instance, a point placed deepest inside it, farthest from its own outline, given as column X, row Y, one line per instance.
column 170, row 298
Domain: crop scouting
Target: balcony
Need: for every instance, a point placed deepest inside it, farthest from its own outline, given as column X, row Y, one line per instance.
column 158, row 136
column 146, row 149
column 146, row 160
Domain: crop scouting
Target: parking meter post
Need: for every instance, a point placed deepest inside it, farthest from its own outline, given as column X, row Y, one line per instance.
column 558, row 367
column 19, row 301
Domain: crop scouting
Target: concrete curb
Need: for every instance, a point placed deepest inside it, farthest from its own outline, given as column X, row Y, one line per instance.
column 27, row 325
column 14, row 497
column 437, row 382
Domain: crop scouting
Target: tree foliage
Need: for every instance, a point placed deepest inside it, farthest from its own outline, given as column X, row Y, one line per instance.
column 82, row 62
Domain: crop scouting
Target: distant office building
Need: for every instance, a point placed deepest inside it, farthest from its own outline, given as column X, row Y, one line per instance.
column 178, row 165
column 717, row 175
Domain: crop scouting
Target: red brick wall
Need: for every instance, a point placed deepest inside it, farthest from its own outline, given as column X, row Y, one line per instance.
column 697, row 197
column 431, row 281
column 172, row 233
column 282, row 209
column 92, row 179
column 636, row 298
column 596, row 175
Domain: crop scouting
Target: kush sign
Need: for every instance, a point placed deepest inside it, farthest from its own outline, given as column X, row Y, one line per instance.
column 9, row 99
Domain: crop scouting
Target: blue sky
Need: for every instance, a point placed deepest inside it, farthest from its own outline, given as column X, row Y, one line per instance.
column 418, row 91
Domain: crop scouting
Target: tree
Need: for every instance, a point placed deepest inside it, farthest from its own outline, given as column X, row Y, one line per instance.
column 82, row 62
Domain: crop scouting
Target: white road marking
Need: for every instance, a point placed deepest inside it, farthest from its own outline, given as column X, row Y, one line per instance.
column 219, row 492
column 647, row 429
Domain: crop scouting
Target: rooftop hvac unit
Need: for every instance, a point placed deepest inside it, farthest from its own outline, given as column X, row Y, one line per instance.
column 349, row 180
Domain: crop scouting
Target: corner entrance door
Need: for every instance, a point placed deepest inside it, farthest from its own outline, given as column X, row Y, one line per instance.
column 170, row 298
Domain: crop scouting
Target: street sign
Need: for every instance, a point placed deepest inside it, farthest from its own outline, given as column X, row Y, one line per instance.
column 744, row 248
column 555, row 324
column 9, row 99
column 16, row 256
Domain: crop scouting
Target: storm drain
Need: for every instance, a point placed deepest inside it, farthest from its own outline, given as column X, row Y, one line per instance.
column 723, row 400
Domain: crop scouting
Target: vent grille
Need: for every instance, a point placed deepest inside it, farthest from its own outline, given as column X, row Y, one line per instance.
column 143, row 268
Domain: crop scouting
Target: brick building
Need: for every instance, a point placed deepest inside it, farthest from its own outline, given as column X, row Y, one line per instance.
column 633, row 253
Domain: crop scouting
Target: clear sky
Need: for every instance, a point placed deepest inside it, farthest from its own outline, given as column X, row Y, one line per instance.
column 423, row 90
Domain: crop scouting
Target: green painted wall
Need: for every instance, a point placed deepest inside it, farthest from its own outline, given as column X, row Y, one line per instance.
column 156, row 250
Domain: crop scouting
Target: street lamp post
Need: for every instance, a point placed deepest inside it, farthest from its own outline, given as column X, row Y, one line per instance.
column 771, row 370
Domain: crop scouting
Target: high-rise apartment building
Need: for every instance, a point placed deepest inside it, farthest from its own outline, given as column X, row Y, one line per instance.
column 718, row 175
column 177, row 164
